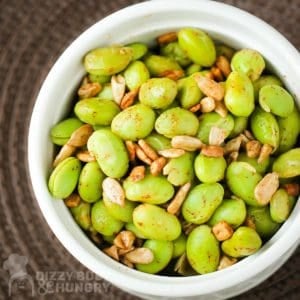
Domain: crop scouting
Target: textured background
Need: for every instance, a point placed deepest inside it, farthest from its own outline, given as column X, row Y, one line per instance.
column 33, row 33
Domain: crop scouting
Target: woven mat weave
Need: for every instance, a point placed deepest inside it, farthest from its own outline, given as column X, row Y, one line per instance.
column 32, row 35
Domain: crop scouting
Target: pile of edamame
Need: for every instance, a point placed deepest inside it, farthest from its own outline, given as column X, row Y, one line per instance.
column 180, row 159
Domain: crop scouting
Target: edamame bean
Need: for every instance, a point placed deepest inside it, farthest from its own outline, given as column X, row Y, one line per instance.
column 174, row 51
column 138, row 50
column 158, row 92
column 96, row 112
column 107, row 61
column 136, row 74
column 151, row 189
column 103, row 222
column 90, row 182
column 131, row 227
column 162, row 251
column 180, row 169
column 280, row 206
column 289, row 129
column 121, row 213
column 158, row 65
column 179, row 246
column 189, row 93
column 233, row 211
column 275, row 99
column 201, row 202
column 249, row 62
column 212, row 119
column 99, row 78
column 225, row 50
column 263, row 81
column 62, row 131
column 158, row 142
column 177, row 121
column 202, row 250
column 261, row 167
column 240, row 124
column 265, row 127
column 193, row 69
column 288, row 164
column 264, row 224
column 242, row 179
column 110, row 152
column 244, row 242
column 155, row 223
column 239, row 95
column 134, row 122
column 106, row 93
column 64, row 178
column 82, row 215
column 210, row 169
column 198, row 46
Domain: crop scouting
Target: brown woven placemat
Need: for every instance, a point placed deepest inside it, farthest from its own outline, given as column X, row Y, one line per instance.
column 32, row 35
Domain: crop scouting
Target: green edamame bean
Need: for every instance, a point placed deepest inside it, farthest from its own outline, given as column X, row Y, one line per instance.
column 138, row 50
column 202, row 250
column 134, row 122
column 239, row 95
column 198, row 46
column 106, row 93
column 210, row 169
column 99, row 78
column 90, row 182
column 158, row 65
column 275, row 99
column 96, row 112
column 174, row 51
column 242, row 179
column 177, row 121
column 155, row 223
column 261, row 168
column 289, row 129
column 189, row 93
column 107, row 61
column 233, row 211
column 179, row 246
column 162, row 251
column 109, row 238
column 103, row 222
column 121, row 213
column 240, row 124
column 62, row 131
column 180, row 169
column 263, row 81
column 288, row 164
column 82, row 215
column 64, row 178
column 201, row 202
column 158, row 142
column 226, row 51
column 264, row 224
column 158, row 92
column 208, row 120
column 249, row 62
column 193, row 68
column 244, row 242
column 265, row 128
column 136, row 74
column 131, row 227
column 151, row 189
column 280, row 206
column 110, row 152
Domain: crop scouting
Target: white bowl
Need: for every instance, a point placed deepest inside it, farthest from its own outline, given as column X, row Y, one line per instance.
column 143, row 22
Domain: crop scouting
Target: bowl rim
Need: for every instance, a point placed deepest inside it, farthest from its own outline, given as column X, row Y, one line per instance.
column 114, row 271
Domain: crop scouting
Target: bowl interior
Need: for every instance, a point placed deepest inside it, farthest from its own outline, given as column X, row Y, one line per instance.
column 144, row 22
